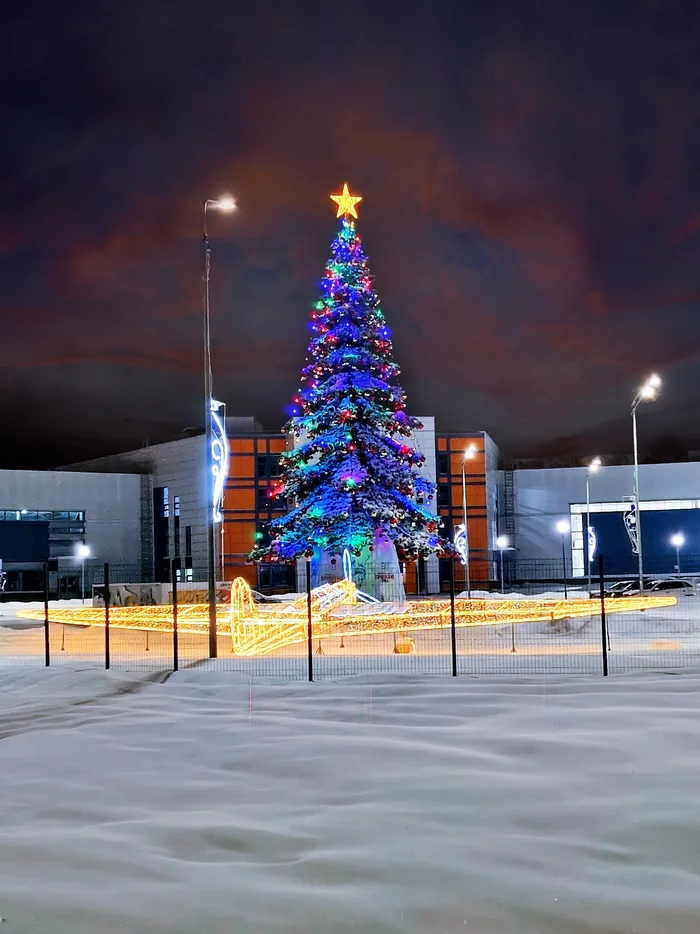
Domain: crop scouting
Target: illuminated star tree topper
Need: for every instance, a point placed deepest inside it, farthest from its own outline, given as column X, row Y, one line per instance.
column 346, row 202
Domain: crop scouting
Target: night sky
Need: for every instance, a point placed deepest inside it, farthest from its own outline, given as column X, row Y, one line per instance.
column 531, row 182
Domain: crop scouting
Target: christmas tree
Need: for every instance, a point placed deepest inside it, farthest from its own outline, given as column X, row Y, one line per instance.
column 352, row 482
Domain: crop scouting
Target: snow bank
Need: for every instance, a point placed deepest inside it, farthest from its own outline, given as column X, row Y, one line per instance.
column 573, row 594
column 397, row 807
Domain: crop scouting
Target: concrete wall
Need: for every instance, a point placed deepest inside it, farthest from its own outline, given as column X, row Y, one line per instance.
column 544, row 496
column 111, row 503
column 179, row 465
column 492, row 457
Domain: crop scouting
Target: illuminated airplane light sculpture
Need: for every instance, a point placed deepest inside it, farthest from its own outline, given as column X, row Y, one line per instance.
column 337, row 609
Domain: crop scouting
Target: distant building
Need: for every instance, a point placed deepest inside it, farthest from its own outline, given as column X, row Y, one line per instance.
column 140, row 509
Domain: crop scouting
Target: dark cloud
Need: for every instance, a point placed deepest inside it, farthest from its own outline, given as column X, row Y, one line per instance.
column 531, row 210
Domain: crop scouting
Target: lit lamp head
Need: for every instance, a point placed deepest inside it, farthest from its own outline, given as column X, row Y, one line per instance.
column 650, row 390
column 595, row 465
column 225, row 204
column 470, row 452
column 563, row 526
column 502, row 542
column 82, row 552
column 678, row 540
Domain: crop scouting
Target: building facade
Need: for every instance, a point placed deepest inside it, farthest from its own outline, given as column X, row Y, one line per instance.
column 46, row 515
column 141, row 509
column 669, row 505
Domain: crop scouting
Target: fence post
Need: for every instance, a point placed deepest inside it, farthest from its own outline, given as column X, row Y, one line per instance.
column 106, row 595
column 47, row 648
column 176, row 659
column 309, row 624
column 603, row 627
column 453, row 624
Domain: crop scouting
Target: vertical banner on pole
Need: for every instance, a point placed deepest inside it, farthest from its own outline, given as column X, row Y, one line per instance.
column 176, row 659
column 309, row 624
column 106, row 594
column 603, row 627
column 453, row 623
column 47, row 649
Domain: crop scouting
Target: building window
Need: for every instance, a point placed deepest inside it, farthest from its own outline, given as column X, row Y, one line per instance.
column 268, row 465
column 443, row 462
column 161, row 534
column 264, row 501
column 188, row 553
column 176, row 526
column 443, row 494
column 32, row 515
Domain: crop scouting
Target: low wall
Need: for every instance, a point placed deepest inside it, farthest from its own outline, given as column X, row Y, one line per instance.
column 161, row 594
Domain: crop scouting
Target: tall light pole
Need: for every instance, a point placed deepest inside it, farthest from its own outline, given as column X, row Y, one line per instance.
column 646, row 393
column 678, row 540
column 82, row 552
column 563, row 528
column 502, row 543
column 225, row 205
column 469, row 454
column 593, row 467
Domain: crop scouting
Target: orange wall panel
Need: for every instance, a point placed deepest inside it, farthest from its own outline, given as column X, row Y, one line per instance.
column 476, row 497
column 240, row 498
column 241, row 445
column 476, row 466
column 248, row 572
column 241, row 468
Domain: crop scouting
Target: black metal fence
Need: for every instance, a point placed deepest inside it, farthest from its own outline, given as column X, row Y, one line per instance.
column 432, row 634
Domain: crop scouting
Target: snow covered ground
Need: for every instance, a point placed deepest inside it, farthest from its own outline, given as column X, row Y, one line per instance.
column 395, row 806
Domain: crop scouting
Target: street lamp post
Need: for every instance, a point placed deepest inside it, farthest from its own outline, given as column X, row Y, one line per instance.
column 468, row 455
column 593, row 467
column 82, row 552
column 646, row 393
column 678, row 540
column 225, row 205
column 563, row 528
column 502, row 543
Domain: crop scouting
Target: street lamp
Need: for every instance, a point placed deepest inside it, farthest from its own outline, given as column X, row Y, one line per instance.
column 563, row 528
column 593, row 467
column 678, row 540
column 82, row 552
column 646, row 393
column 502, row 542
column 225, row 205
column 469, row 454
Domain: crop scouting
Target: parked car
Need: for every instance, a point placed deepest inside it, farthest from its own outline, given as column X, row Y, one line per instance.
column 627, row 588
column 675, row 586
